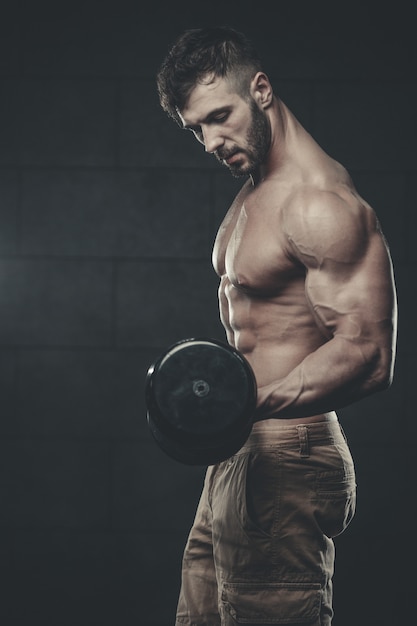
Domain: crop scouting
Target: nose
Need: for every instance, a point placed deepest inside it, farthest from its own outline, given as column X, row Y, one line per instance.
column 212, row 139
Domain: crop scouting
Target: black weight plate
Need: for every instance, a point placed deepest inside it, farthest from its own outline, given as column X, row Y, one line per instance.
column 201, row 389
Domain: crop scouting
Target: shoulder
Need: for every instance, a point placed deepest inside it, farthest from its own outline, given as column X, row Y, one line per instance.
column 333, row 224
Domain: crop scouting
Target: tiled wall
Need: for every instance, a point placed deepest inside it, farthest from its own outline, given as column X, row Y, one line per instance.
column 107, row 217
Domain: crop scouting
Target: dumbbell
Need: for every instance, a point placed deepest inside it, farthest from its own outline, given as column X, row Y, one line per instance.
column 200, row 398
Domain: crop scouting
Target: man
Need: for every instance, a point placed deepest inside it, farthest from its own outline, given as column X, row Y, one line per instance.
column 307, row 295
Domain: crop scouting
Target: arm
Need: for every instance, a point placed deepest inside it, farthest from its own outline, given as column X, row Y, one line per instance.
column 349, row 287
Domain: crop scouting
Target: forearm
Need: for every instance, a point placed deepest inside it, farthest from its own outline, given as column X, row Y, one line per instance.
column 335, row 375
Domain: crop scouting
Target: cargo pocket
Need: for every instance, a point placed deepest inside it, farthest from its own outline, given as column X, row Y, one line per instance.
column 335, row 499
column 271, row 603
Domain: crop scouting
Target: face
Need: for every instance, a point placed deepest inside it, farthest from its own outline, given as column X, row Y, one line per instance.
column 236, row 131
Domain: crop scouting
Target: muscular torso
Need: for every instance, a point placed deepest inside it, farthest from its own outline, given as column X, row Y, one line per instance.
column 262, row 290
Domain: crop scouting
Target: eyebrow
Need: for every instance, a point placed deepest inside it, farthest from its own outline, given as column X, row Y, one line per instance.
column 207, row 118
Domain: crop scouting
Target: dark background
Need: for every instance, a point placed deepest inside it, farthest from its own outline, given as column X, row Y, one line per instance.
column 107, row 218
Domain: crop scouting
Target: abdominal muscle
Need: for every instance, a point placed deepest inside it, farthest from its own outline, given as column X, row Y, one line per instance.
column 274, row 334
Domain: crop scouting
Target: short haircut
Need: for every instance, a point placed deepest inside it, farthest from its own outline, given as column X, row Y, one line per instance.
column 203, row 53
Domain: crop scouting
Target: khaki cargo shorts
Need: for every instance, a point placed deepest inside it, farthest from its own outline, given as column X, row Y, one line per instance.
column 260, row 551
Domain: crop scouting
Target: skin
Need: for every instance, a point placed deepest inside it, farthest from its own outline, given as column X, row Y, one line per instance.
column 306, row 284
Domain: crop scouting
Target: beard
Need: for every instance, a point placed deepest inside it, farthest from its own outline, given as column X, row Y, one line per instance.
column 258, row 143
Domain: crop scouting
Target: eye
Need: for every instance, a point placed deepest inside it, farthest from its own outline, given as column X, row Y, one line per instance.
column 220, row 118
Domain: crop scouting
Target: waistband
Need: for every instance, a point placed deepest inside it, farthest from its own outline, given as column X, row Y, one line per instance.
column 271, row 433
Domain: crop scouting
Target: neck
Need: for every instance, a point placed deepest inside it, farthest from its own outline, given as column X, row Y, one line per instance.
column 292, row 150
column 279, row 119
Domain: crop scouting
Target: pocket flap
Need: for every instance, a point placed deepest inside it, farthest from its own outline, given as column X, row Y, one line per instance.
column 272, row 603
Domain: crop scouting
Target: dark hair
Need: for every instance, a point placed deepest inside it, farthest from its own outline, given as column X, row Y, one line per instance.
column 201, row 52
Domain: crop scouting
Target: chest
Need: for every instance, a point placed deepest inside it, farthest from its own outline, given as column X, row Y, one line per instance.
column 251, row 249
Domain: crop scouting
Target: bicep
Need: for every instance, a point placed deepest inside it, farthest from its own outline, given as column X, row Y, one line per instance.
column 353, row 296
column 349, row 280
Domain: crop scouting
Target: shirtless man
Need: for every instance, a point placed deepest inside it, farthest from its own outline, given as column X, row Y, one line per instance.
column 307, row 295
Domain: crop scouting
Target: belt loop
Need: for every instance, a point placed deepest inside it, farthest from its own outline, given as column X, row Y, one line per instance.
column 304, row 443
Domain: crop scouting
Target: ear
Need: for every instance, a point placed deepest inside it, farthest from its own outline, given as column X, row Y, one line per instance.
column 261, row 90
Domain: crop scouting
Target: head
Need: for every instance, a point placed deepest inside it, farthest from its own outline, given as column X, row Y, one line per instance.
column 207, row 83
column 200, row 53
